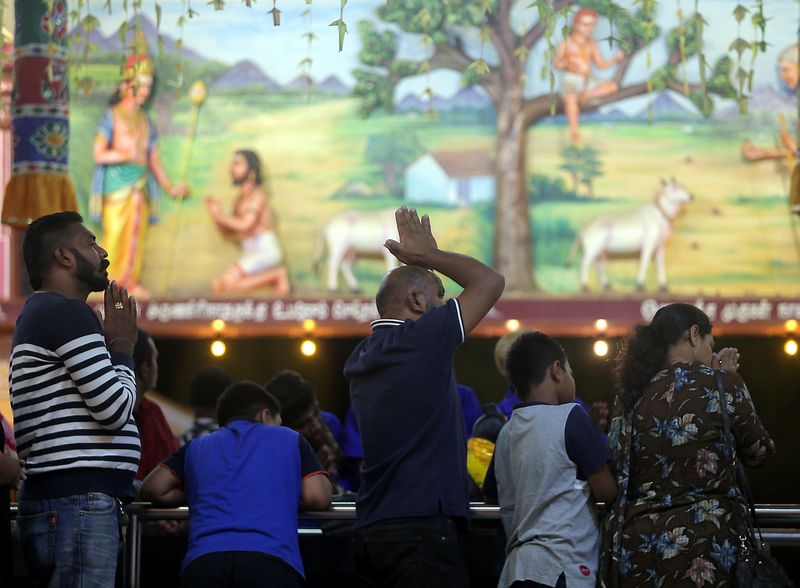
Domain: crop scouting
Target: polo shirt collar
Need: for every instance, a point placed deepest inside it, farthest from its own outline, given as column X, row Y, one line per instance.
column 385, row 322
column 532, row 403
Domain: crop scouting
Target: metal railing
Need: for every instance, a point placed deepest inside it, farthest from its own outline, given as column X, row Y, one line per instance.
column 780, row 525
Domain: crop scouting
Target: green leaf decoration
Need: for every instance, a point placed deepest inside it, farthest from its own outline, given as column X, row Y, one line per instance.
column 158, row 16
column 123, row 30
column 217, row 4
column 480, row 67
column 342, row 27
column 740, row 13
column 521, row 53
column 739, row 45
column 89, row 23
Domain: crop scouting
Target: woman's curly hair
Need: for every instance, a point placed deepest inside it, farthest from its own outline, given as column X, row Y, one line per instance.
column 645, row 353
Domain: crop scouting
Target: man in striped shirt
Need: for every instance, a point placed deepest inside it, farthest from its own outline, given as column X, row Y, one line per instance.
column 72, row 393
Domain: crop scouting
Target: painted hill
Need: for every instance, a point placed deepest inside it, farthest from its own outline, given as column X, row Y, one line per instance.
column 333, row 85
column 300, row 83
column 112, row 42
column 246, row 73
column 410, row 103
column 472, row 98
column 466, row 99
column 763, row 99
column 669, row 105
column 77, row 36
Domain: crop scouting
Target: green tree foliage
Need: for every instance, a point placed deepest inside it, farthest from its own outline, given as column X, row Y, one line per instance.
column 393, row 151
column 544, row 188
column 583, row 165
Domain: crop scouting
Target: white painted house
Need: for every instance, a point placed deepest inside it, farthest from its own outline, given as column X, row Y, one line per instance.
column 451, row 178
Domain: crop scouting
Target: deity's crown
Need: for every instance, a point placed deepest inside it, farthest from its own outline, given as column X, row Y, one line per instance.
column 138, row 62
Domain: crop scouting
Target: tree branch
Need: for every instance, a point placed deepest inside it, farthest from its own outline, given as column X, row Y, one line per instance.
column 505, row 51
column 678, row 87
column 539, row 107
column 624, row 65
column 504, row 22
column 536, row 31
column 451, row 57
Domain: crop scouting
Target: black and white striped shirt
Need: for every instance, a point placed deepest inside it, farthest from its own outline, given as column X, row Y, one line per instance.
column 72, row 401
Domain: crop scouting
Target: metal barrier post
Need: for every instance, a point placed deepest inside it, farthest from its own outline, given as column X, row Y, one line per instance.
column 133, row 550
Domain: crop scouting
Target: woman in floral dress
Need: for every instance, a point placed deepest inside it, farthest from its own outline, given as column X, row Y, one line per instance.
column 679, row 513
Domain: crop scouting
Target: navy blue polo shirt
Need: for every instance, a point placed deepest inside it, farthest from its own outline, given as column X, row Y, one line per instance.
column 403, row 395
column 243, row 485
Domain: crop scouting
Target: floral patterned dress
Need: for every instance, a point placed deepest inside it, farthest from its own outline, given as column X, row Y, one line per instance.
column 677, row 519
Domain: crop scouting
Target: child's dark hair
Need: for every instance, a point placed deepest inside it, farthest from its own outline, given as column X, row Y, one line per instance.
column 528, row 359
column 294, row 392
column 43, row 236
column 645, row 353
column 245, row 400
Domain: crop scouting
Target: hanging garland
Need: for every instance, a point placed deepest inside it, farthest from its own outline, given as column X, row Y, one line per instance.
column 682, row 46
column 699, row 21
column 307, row 61
column 759, row 44
column 548, row 16
column 740, row 45
column 423, row 17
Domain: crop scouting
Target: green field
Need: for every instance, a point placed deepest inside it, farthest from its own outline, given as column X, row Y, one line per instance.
column 734, row 239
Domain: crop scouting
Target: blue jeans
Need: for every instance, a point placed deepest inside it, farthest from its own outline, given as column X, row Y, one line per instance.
column 72, row 541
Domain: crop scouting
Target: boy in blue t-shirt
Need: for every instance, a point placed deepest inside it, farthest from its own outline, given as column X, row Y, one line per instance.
column 548, row 468
column 244, row 485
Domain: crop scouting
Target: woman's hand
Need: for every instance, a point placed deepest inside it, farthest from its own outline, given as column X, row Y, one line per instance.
column 726, row 359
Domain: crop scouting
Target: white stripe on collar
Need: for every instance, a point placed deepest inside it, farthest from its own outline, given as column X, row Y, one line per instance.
column 385, row 322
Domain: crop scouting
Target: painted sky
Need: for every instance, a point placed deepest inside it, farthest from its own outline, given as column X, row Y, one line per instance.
column 239, row 32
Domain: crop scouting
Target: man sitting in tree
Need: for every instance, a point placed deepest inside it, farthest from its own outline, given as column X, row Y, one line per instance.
column 575, row 56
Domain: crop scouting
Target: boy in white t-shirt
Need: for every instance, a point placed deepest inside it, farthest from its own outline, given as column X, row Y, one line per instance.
column 548, row 468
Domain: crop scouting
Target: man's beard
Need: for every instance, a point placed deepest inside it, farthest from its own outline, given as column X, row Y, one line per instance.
column 91, row 275
column 238, row 181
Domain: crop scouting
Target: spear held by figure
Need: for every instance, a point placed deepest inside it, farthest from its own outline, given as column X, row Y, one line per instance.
column 197, row 94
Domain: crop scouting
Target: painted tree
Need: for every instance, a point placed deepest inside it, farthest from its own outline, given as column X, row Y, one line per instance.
column 393, row 151
column 591, row 168
column 442, row 24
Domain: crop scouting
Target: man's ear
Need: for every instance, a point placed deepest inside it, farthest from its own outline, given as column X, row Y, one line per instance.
column 64, row 257
column 416, row 301
column 556, row 371
column 265, row 417
column 694, row 335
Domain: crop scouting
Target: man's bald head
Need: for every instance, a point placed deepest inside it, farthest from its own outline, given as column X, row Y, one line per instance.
column 393, row 292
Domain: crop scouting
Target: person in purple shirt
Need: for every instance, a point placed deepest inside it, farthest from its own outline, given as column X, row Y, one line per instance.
column 300, row 411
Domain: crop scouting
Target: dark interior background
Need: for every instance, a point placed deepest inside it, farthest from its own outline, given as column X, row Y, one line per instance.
column 772, row 377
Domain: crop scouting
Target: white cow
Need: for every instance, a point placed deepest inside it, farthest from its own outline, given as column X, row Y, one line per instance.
column 351, row 234
column 645, row 230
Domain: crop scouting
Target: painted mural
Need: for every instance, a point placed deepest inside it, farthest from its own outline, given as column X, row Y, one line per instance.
column 594, row 155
